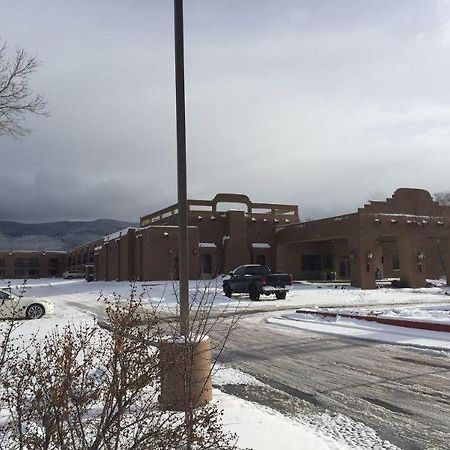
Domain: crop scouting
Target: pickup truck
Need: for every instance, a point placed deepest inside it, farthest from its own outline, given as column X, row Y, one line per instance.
column 257, row 280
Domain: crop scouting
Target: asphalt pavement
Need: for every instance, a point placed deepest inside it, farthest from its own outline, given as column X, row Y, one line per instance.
column 403, row 393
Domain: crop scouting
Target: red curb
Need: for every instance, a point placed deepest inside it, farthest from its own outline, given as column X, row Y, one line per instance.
column 431, row 326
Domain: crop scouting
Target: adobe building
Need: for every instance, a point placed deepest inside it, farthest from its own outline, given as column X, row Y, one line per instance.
column 219, row 239
column 406, row 237
column 32, row 264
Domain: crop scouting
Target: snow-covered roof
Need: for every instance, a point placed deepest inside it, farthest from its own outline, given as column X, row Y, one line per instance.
column 407, row 215
column 116, row 235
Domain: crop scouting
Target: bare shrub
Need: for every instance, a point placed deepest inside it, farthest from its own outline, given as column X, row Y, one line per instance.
column 83, row 387
column 443, row 198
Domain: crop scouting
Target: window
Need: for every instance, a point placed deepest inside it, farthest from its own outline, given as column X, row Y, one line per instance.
column 396, row 262
column 328, row 262
column 261, row 259
column 53, row 262
column 27, row 263
column 19, row 273
column 256, row 270
column 311, row 262
column 344, row 267
column 206, row 264
column 2, row 262
column 240, row 271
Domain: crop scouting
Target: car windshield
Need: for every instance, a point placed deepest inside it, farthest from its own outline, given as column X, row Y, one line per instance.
column 4, row 295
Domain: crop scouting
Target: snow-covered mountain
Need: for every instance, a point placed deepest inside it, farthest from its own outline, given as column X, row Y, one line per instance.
column 55, row 235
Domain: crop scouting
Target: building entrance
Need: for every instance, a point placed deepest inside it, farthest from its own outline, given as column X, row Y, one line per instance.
column 344, row 267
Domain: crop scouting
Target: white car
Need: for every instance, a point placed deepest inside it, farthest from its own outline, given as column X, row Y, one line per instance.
column 17, row 307
column 69, row 274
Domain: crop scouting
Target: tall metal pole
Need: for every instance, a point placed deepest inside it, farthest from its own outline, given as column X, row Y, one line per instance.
column 181, row 169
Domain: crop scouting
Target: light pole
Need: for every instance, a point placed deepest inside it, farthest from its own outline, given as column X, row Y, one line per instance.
column 186, row 366
column 183, row 257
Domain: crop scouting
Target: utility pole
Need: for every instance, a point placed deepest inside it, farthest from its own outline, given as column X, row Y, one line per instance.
column 183, row 257
column 185, row 366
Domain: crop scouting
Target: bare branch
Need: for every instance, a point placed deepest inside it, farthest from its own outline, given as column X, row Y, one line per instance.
column 442, row 197
column 16, row 97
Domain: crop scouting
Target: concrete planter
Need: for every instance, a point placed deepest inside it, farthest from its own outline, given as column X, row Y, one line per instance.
column 185, row 374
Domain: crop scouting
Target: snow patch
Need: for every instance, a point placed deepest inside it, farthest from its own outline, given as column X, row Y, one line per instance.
column 369, row 331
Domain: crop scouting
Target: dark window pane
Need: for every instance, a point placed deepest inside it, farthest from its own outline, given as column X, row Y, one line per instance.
column 328, row 262
column 206, row 264
column 27, row 262
column 261, row 259
column 257, row 270
column 311, row 262
column 396, row 262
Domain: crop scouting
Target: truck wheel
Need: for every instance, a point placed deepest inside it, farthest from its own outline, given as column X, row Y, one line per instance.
column 280, row 295
column 227, row 291
column 253, row 293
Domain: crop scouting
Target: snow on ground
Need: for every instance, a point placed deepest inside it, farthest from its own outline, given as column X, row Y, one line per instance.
column 229, row 375
column 163, row 294
column 74, row 300
column 360, row 329
column 310, row 430
column 425, row 313
column 259, row 427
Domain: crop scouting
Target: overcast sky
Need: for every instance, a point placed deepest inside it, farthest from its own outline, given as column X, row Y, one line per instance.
column 324, row 104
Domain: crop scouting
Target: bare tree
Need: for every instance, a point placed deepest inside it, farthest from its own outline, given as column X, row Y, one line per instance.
column 442, row 197
column 16, row 97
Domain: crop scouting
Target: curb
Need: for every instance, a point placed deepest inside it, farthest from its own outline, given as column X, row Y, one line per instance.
column 431, row 326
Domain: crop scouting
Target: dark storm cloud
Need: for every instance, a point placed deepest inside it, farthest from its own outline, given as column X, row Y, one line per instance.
column 317, row 103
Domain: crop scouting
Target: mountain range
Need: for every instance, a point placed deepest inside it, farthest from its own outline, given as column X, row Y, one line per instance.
column 62, row 235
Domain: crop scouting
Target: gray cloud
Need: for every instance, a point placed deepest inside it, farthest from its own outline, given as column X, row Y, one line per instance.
column 317, row 103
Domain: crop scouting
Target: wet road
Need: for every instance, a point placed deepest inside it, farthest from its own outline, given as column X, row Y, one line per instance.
column 401, row 392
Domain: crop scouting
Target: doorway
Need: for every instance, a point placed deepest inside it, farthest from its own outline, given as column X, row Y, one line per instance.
column 344, row 267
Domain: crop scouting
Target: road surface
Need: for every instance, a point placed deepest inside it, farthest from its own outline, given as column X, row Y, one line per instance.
column 402, row 393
